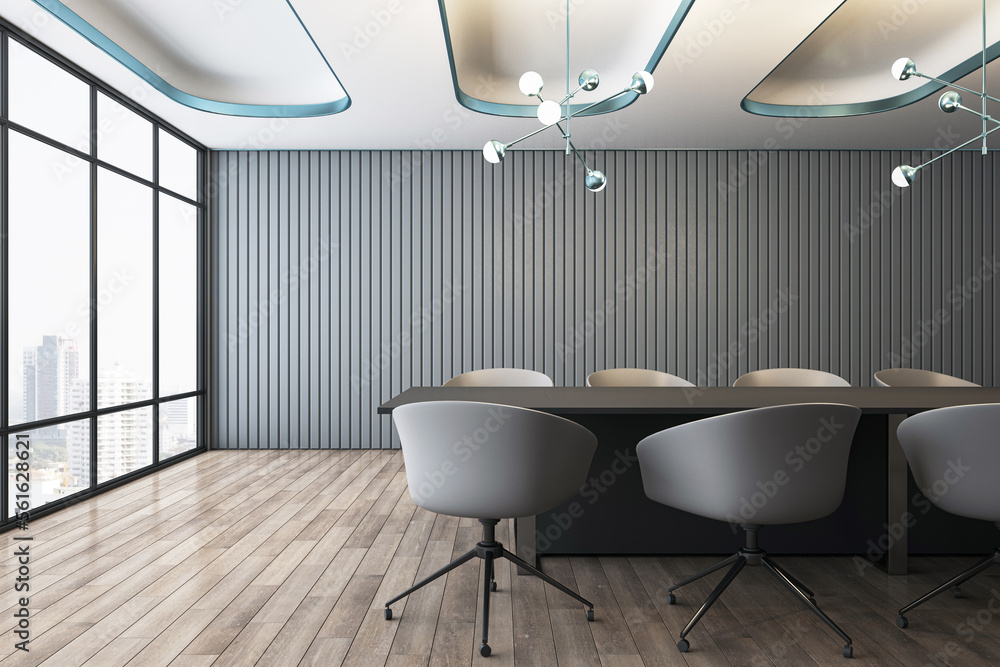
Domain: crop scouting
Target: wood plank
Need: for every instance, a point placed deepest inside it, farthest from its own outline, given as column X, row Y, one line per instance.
column 288, row 558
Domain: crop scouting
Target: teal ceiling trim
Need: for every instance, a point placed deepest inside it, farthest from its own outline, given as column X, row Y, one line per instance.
column 530, row 110
column 957, row 72
column 103, row 42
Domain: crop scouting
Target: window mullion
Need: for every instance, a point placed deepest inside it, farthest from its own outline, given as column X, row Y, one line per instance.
column 93, row 287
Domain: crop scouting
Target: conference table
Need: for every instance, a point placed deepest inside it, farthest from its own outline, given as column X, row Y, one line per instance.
column 883, row 518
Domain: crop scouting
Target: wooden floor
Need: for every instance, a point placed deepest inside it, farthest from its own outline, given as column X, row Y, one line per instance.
column 286, row 558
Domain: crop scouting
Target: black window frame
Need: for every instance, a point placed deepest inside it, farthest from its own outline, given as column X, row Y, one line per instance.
column 8, row 519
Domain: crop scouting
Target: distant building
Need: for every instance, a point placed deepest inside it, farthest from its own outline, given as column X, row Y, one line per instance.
column 177, row 427
column 124, row 439
column 50, row 370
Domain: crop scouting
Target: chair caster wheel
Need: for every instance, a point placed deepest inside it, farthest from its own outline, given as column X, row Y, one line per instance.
column 485, row 650
column 848, row 651
column 683, row 646
column 388, row 614
column 901, row 621
column 671, row 598
column 957, row 592
column 590, row 614
column 493, row 586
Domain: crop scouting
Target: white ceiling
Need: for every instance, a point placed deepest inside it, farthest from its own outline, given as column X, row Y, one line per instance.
column 402, row 94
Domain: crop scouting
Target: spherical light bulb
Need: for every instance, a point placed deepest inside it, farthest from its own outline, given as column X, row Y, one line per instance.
column 494, row 151
column 530, row 83
column 595, row 180
column 589, row 79
column 549, row 112
column 950, row 101
column 903, row 175
column 903, row 69
column 642, row 83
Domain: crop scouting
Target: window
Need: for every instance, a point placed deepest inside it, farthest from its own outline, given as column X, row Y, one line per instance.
column 100, row 261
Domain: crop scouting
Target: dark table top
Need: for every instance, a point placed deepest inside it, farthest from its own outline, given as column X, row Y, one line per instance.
column 699, row 400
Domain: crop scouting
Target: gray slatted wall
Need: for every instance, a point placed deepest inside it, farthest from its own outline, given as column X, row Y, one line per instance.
column 341, row 278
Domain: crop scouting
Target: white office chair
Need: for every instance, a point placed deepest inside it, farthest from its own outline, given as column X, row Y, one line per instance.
column 934, row 442
column 790, row 377
column 490, row 462
column 635, row 377
column 736, row 468
column 916, row 377
column 500, row 377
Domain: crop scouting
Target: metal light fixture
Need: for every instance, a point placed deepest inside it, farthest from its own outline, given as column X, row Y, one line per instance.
column 552, row 113
column 949, row 102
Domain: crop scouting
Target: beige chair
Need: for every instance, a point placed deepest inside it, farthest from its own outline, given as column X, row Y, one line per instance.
column 915, row 377
column 500, row 377
column 790, row 377
column 635, row 377
column 711, row 468
column 521, row 463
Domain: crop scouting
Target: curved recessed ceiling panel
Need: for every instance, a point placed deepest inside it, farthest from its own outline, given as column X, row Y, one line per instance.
column 843, row 67
column 491, row 43
column 249, row 58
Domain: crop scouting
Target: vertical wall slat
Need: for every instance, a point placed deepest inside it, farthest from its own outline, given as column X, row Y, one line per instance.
column 343, row 278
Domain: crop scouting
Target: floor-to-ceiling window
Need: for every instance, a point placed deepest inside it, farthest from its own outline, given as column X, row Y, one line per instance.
column 101, row 266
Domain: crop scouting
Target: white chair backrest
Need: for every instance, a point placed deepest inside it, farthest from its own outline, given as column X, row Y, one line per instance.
column 774, row 465
column 635, row 377
column 500, row 377
column 790, row 377
column 955, row 458
column 490, row 461
column 916, row 377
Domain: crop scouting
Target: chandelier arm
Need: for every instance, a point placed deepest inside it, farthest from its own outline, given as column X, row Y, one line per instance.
column 976, row 113
column 959, row 147
column 527, row 136
column 575, row 152
column 569, row 96
column 579, row 157
column 956, row 86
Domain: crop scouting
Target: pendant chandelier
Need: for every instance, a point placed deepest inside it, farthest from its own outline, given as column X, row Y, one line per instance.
column 949, row 102
column 555, row 114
